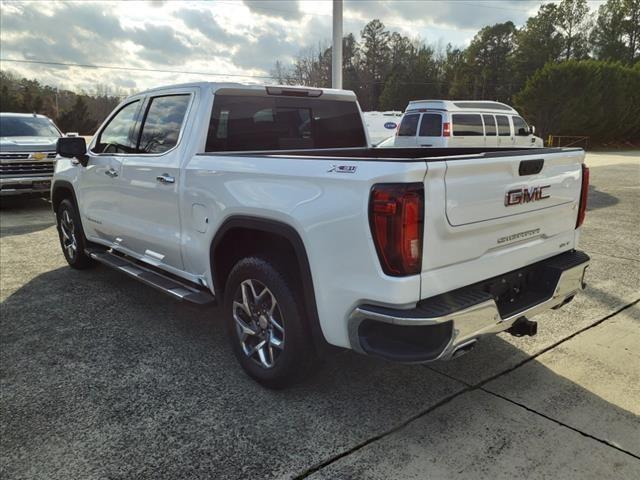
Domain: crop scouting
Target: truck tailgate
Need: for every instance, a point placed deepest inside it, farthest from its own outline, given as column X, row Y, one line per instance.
column 485, row 189
column 494, row 213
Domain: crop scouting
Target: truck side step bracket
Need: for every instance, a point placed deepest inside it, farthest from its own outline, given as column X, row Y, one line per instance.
column 179, row 289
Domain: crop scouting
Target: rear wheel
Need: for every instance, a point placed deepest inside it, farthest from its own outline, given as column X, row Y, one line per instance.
column 266, row 324
column 72, row 238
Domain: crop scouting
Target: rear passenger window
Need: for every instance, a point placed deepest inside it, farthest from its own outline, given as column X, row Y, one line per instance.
column 467, row 125
column 408, row 126
column 489, row 125
column 504, row 129
column 163, row 123
column 431, row 125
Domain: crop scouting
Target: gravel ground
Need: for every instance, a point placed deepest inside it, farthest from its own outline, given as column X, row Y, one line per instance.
column 102, row 377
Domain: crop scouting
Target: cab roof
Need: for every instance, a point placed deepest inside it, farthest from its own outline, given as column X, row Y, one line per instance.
column 255, row 89
column 461, row 106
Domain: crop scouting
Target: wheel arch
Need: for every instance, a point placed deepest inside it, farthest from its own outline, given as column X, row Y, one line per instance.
column 229, row 245
column 60, row 190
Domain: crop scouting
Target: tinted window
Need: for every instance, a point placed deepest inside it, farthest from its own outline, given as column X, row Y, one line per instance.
column 519, row 123
column 162, row 123
column 504, row 129
column 27, row 127
column 468, row 125
column 431, row 125
column 281, row 123
column 116, row 137
column 408, row 126
column 489, row 125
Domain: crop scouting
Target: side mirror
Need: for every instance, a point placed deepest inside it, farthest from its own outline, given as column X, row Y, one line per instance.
column 523, row 132
column 73, row 147
column 532, row 129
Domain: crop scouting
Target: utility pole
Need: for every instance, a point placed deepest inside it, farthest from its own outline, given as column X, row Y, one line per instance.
column 336, row 51
column 57, row 109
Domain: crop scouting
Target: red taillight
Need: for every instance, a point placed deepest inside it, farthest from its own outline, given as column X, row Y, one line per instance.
column 396, row 216
column 446, row 129
column 582, row 208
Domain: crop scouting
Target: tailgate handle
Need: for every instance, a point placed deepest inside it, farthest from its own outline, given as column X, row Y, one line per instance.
column 531, row 167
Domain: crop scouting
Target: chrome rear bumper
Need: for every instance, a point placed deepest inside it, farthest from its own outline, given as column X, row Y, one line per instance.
column 449, row 323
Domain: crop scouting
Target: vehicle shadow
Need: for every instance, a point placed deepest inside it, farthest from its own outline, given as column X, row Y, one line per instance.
column 105, row 377
column 19, row 203
column 598, row 199
column 20, row 216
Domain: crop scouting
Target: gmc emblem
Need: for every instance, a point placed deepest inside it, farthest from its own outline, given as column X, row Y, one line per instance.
column 525, row 195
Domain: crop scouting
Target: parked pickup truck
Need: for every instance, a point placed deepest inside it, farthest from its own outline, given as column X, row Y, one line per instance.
column 270, row 201
column 27, row 154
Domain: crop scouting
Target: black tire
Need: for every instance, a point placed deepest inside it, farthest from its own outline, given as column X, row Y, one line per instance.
column 295, row 360
column 72, row 239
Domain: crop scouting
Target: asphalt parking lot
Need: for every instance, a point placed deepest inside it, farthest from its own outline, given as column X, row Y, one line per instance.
column 102, row 377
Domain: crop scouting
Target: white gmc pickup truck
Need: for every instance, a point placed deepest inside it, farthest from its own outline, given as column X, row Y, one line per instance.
column 269, row 201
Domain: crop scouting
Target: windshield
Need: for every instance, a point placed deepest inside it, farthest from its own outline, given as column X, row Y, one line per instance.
column 27, row 127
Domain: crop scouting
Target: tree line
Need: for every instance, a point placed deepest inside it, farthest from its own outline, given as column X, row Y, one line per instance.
column 569, row 70
column 72, row 112
column 503, row 62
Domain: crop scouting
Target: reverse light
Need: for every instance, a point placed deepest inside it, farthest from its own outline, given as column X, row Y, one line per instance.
column 584, row 192
column 446, row 129
column 396, row 218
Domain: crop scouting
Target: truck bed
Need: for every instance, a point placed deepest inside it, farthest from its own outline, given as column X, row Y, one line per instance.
column 404, row 154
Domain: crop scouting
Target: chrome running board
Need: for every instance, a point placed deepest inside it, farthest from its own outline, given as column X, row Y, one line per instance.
column 179, row 289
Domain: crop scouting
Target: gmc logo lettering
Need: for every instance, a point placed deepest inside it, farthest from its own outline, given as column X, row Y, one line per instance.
column 525, row 195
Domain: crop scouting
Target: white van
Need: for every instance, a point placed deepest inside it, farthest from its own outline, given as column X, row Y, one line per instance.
column 463, row 123
column 381, row 125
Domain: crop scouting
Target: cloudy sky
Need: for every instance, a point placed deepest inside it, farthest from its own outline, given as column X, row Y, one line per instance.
column 221, row 40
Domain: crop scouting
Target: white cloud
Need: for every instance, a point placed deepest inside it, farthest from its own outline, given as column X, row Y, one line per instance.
column 226, row 37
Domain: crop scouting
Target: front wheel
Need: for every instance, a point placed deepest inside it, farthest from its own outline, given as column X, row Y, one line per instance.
column 266, row 325
column 71, row 235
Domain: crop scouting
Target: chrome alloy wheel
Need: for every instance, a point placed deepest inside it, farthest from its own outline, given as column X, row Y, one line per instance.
column 68, row 230
column 259, row 323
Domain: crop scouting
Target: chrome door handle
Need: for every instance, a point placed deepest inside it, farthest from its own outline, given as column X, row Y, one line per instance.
column 111, row 173
column 165, row 178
